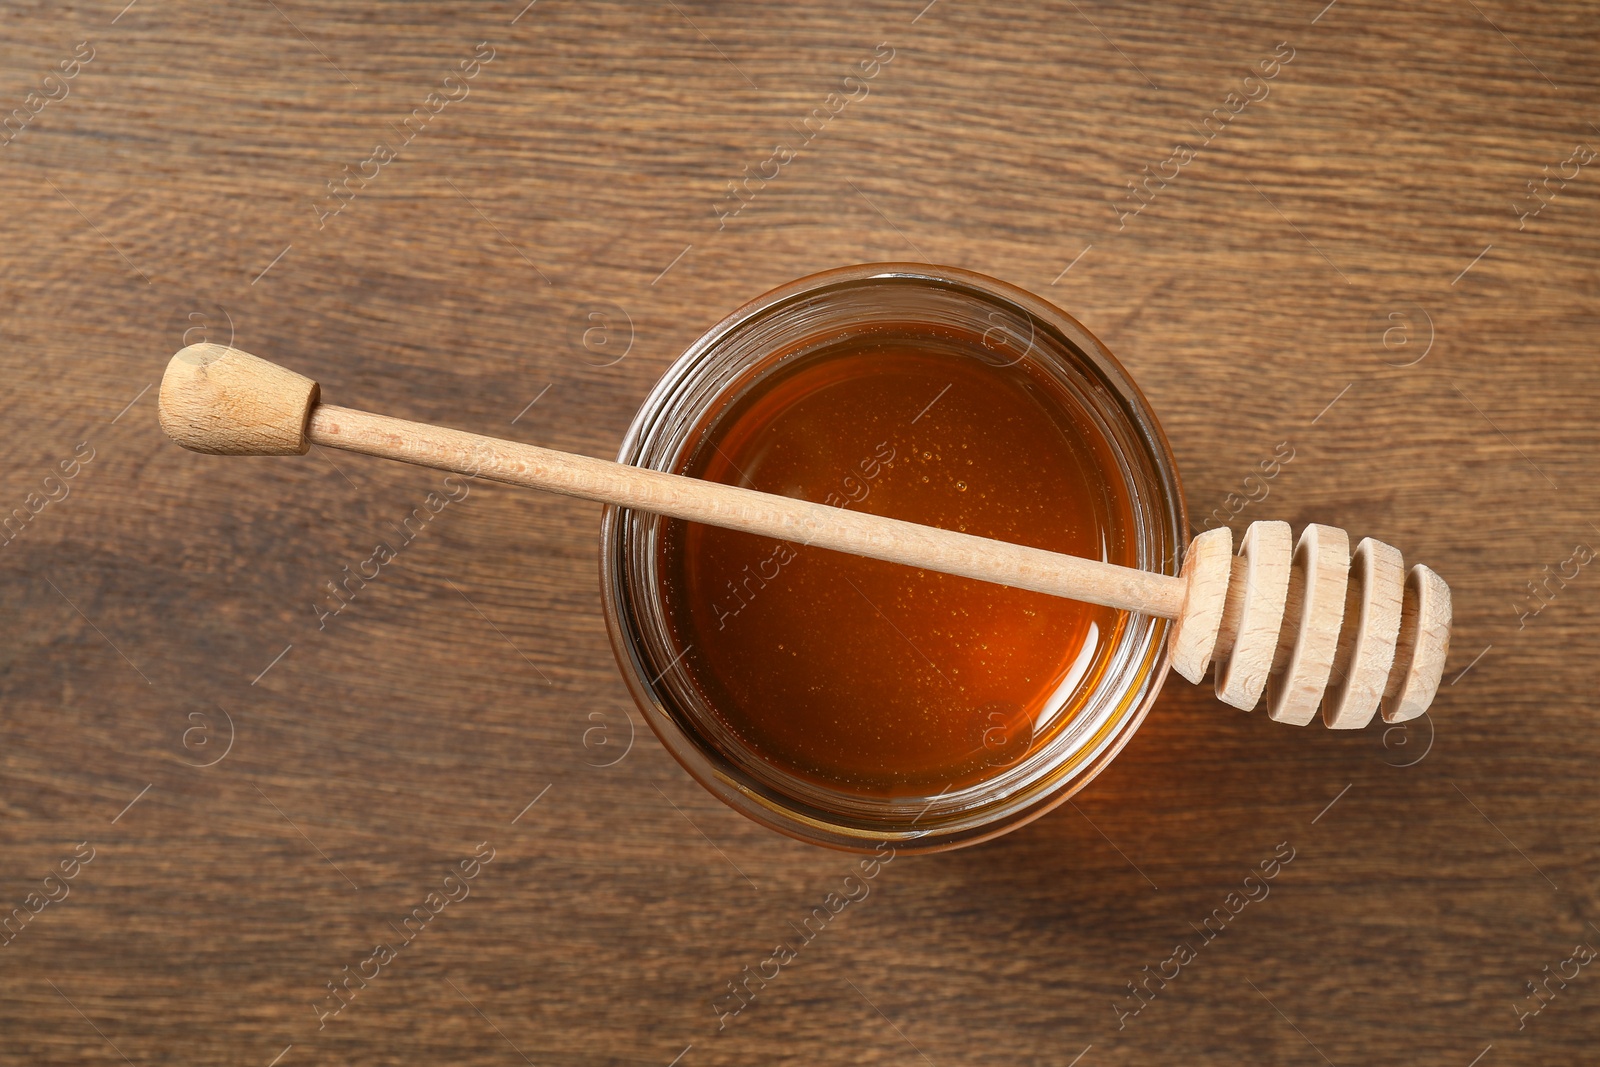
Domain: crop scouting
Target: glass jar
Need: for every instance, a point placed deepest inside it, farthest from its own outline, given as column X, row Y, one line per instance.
column 1018, row 330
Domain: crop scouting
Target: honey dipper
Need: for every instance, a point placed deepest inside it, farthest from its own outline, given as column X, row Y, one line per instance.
column 1379, row 634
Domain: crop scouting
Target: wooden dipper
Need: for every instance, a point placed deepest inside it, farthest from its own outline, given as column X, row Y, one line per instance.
column 1359, row 621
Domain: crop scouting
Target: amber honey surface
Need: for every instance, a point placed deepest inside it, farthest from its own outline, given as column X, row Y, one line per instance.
column 873, row 678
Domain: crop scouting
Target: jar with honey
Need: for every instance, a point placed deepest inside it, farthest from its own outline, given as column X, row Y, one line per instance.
column 847, row 701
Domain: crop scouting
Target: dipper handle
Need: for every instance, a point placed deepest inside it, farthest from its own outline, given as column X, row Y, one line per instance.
column 1360, row 632
column 222, row 401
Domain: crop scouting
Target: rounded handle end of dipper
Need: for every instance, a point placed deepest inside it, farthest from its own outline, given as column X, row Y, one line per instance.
column 225, row 402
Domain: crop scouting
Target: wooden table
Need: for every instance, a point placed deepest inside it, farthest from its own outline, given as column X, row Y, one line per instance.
column 1341, row 260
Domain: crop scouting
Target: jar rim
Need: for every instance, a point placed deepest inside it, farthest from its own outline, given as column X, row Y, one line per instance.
column 686, row 389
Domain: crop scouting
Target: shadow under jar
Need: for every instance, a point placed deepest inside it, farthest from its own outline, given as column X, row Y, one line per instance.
column 848, row 701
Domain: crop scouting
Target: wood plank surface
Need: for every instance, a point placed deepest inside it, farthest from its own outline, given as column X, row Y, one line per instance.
column 1348, row 266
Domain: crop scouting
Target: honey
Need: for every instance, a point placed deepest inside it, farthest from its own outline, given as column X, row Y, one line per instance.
column 874, row 679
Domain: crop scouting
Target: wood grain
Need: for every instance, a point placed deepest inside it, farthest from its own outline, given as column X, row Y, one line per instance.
column 1340, row 275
